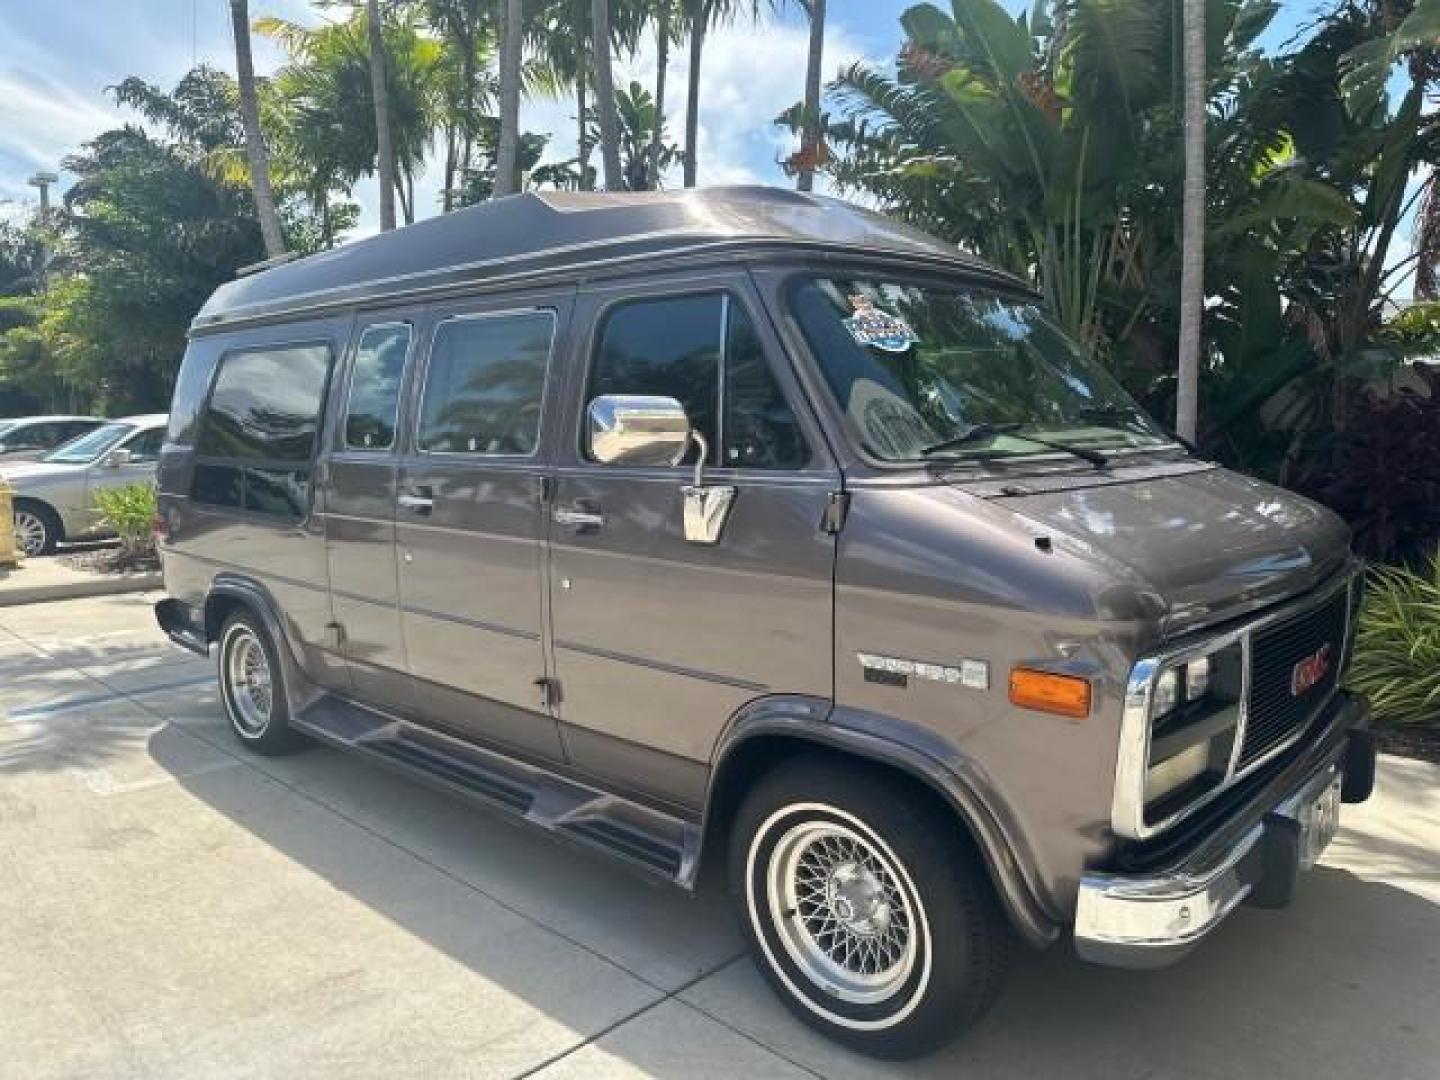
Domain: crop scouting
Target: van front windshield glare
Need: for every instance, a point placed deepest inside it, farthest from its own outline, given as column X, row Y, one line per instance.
column 88, row 447
column 930, row 372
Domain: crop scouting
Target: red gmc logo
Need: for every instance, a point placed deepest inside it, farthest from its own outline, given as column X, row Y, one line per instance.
column 1310, row 670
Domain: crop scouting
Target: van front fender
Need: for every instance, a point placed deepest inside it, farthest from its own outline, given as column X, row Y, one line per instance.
column 909, row 748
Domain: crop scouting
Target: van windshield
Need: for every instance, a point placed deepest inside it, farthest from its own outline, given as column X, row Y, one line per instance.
column 88, row 447
column 931, row 371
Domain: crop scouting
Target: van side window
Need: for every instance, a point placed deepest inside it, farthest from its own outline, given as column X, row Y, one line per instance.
column 266, row 404
column 485, row 384
column 257, row 431
column 678, row 347
column 375, row 383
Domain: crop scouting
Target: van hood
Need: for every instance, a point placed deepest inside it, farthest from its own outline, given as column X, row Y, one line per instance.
column 1210, row 544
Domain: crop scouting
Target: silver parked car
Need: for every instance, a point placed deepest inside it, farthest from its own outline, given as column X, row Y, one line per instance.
column 26, row 438
column 55, row 496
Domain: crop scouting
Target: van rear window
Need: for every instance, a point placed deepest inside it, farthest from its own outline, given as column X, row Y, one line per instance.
column 266, row 404
column 257, row 432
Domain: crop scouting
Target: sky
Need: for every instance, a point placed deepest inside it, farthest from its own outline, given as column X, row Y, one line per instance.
column 58, row 57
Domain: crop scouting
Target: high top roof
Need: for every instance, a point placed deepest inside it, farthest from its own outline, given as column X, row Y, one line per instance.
column 542, row 232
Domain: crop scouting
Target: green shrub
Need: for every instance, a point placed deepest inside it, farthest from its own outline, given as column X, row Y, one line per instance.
column 130, row 512
column 1397, row 647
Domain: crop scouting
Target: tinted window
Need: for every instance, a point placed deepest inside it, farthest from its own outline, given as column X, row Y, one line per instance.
column 146, row 446
column 667, row 347
column 266, row 404
column 677, row 347
column 375, row 387
column 32, row 437
column 759, row 429
column 485, row 383
column 218, row 485
column 72, row 428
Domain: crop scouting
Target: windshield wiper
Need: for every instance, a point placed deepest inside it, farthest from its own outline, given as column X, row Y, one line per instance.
column 985, row 431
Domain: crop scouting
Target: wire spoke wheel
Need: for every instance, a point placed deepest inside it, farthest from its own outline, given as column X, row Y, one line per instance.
column 841, row 912
column 251, row 690
column 30, row 532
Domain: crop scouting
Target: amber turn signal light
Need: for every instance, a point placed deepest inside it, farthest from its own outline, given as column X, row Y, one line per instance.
column 1044, row 691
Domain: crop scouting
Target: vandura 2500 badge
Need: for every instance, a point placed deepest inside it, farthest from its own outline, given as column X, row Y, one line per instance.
column 749, row 528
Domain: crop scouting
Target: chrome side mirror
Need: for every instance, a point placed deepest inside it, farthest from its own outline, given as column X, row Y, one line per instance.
column 116, row 458
column 634, row 429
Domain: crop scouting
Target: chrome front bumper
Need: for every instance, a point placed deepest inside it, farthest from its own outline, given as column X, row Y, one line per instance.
column 1151, row 920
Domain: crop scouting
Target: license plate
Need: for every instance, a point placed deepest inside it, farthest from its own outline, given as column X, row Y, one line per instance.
column 1319, row 822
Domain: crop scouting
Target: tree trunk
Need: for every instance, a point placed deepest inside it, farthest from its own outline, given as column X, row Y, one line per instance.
column 254, row 137
column 512, row 30
column 582, row 145
column 384, row 147
column 810, row 132
column 699, row 16
column 450, row 152
column 605, row 95
column 1192, row 262
column 662, row 61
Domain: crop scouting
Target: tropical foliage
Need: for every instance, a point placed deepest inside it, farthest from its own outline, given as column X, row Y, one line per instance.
column 129, row 512
column 1047, row 142
column 1397, row 646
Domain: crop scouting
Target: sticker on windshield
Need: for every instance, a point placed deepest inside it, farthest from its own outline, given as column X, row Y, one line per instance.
column 878, row 329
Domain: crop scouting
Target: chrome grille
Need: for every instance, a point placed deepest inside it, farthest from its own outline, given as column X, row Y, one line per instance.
column 1277, row 709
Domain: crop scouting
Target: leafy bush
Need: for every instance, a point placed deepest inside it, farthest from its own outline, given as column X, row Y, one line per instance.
column 1382, row 473
column 1397, row 647
column 130, row 512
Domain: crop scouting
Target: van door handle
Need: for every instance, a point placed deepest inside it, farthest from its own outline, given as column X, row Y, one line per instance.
column 422, row 503
column 579, row 519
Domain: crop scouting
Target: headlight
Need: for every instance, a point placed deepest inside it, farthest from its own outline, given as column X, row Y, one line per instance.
column 1194, row 707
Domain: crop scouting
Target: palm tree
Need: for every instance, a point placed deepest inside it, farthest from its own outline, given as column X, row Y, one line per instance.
column 605, row 95
column 699, row 15
column 512, row 30
column 384, row 148
column 662, row 62
column 1192, row 217
column 254, row 138
column 321, row 109
column 640, row 128
column 810, row 142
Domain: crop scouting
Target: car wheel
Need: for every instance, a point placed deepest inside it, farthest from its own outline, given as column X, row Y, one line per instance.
column 37, row 529
column 867, row 912
column 252, row 686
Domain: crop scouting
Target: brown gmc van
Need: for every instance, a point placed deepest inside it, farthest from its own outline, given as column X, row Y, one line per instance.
column 751, row 528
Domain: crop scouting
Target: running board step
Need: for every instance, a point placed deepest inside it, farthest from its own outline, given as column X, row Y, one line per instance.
column 638, row 835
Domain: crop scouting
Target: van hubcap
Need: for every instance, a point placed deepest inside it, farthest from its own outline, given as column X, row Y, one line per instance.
column 29, row 532
column 841, row 914
column 248, row 674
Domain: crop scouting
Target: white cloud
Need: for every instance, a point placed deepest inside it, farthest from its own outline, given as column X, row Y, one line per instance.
column 43, row 120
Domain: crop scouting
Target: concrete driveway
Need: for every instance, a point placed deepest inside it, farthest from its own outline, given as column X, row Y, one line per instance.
column 173, row 907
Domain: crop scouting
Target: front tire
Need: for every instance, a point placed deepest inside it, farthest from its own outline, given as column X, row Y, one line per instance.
column 252, row 686
column 868, row 912
column 37, row 528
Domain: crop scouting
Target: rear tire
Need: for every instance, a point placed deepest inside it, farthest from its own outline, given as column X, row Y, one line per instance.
column 252, row 686
column 37, row 528
column 868, row 912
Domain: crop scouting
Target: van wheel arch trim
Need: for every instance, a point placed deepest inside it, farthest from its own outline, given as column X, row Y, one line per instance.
column 814, row 721
column 254, row 597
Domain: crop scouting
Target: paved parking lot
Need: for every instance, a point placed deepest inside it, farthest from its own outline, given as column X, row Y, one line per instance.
column 172, row 907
